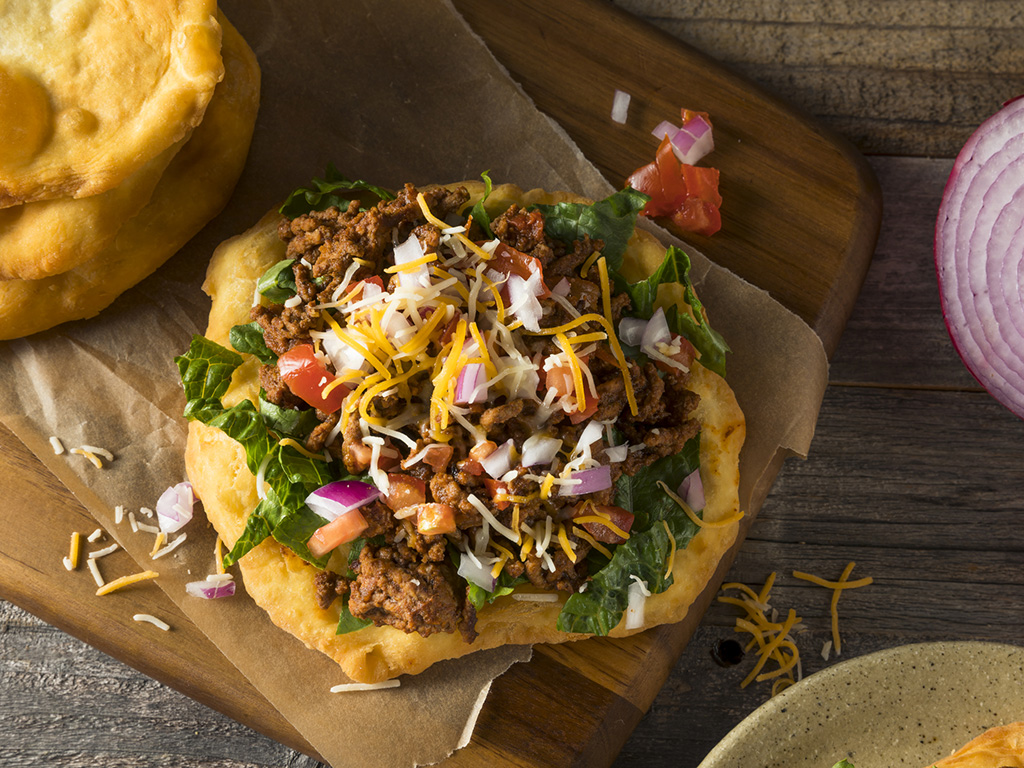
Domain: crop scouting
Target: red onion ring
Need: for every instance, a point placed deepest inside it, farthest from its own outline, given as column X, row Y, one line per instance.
column 979, row 255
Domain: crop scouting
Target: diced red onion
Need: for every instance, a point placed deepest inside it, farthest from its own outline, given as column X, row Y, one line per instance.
column 691, row 490
column 174, row 507
column 665, row 128
column 499, row 461
column 209, row 590
column 591, row 481
column 693, row 141
column 637, row 598
column 617, row 453
column 411, row 250
column 562, row 289
column 656, row 331
column 476, row 573
column 540, row 449
column 335, row 499
column 631, row 330
column 342, row 355
column 979, row 255
column 469, row 387
column 620, row 106
column 524, row 304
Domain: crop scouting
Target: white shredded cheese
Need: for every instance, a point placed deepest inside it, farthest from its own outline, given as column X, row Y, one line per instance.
column 67, row 563
column 95, row 571
column 535, row 597
column 95, row 536
column 103, row 552
column 58, row 446
column 148, row 618
column 620, row 106
column 118, row 514
column 350, row 687
column 169, row 547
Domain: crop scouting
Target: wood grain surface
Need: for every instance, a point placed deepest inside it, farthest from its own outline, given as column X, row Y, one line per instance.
column 914, row 473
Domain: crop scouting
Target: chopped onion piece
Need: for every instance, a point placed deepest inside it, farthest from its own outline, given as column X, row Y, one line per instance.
column 475, row 572
column 562, row 289
column 335, row 499
column 210, row 590
column 591, row 481
column 665, row 128
column 657, row 331
column 693, row 141
column 691, row 490
column 525, row 304
column 637, row 596
column 620, row 106
column 631, row 330
column 174, row 507
column 471, row 386
column 617, row 453
column 540, row 449
column 411, row 250
column 499, row 461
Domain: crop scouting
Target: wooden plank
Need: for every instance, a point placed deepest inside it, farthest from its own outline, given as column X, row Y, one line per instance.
column 812, row 262
column 828, row 182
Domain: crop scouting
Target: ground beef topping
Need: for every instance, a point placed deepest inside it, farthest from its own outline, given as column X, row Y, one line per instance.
column 482, row 384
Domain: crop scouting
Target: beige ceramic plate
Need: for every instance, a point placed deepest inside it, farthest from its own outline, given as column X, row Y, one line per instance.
column 905, row 706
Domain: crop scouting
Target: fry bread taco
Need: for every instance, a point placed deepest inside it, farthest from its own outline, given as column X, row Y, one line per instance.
column 998, row 747
column 460, row 417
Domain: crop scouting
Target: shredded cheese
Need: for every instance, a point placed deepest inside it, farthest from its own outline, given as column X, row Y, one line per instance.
column 75, row 547
column 837, row 587
column 351, row 687
column 150, row 619
column 125, row 581
column 697, row 520
column 57, row 445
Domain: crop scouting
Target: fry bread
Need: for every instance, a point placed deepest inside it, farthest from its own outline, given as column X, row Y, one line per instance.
column 999, row 747
column 194, row 188
column 99, row 89
column 282, row 583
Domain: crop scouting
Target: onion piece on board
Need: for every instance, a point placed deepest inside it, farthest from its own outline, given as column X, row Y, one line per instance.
column 979, row 255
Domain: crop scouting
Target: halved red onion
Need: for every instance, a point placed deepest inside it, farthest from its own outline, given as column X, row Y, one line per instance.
column 210, row 590
column 540, row 449
column 979, row 255
column 691, row 490
column 620, row 106
column 470, row 385
column 476, row 572
column 631, row 330
column 591, row 481
column 174, row 507
column 657, row 331
column 335, row 499
column 499, row 461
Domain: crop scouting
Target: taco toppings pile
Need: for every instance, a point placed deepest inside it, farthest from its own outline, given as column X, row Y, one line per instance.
column 457, row 399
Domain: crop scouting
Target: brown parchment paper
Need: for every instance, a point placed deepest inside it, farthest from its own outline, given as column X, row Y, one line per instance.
column 402, row 94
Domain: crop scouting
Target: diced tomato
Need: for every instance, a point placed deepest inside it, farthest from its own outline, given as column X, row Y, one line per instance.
column 685, row 356
column 404, row 491
column 577, row 416
column 496, row 488
column 307, row 378
column 686, row 194
column 559, row 378
column 437, row 458
column 617, row 516
column 342, row 529
column 509, row 261
column 435, row 518
column 471, row 467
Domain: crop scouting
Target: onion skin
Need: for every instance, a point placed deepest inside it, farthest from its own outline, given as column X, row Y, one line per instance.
column 979, row 255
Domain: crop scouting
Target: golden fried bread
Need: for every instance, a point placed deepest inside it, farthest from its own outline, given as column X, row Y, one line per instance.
column 999, row 747
column 98, row 89
column 283, row 584
column 195, row 186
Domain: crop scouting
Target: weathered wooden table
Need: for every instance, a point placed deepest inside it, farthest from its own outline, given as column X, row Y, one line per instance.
column 914, row 472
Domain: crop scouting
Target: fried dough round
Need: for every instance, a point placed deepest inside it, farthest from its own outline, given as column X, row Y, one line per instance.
column 282, row 584
column 999, row 747
column 195, row 186
column 92, row 90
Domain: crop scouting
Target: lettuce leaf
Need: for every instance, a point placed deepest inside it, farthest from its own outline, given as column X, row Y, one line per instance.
column 248, row 339
column 324, row 193
column 611, row 220
column 645, row 554
column 479, row 213
column 675, row 268
column 278, row 282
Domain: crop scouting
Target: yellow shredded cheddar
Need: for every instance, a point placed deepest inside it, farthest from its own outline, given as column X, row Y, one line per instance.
column 837, row 587
column 124, row 581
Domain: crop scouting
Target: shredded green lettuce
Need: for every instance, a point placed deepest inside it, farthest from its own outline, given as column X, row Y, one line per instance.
column 332, row 190
column 479, row 213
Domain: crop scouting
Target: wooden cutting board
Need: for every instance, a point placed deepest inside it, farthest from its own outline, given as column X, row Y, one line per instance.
column 801, row 215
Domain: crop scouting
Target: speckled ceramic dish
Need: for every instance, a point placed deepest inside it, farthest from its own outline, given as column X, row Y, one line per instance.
column 905, row 706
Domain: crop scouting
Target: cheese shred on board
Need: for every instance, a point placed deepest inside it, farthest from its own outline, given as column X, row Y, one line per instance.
column 473, row 389
column 837, row 587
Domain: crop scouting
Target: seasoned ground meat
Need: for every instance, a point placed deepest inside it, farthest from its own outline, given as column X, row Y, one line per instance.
column 395, row 588
column 276, row 390
column 328, row 586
